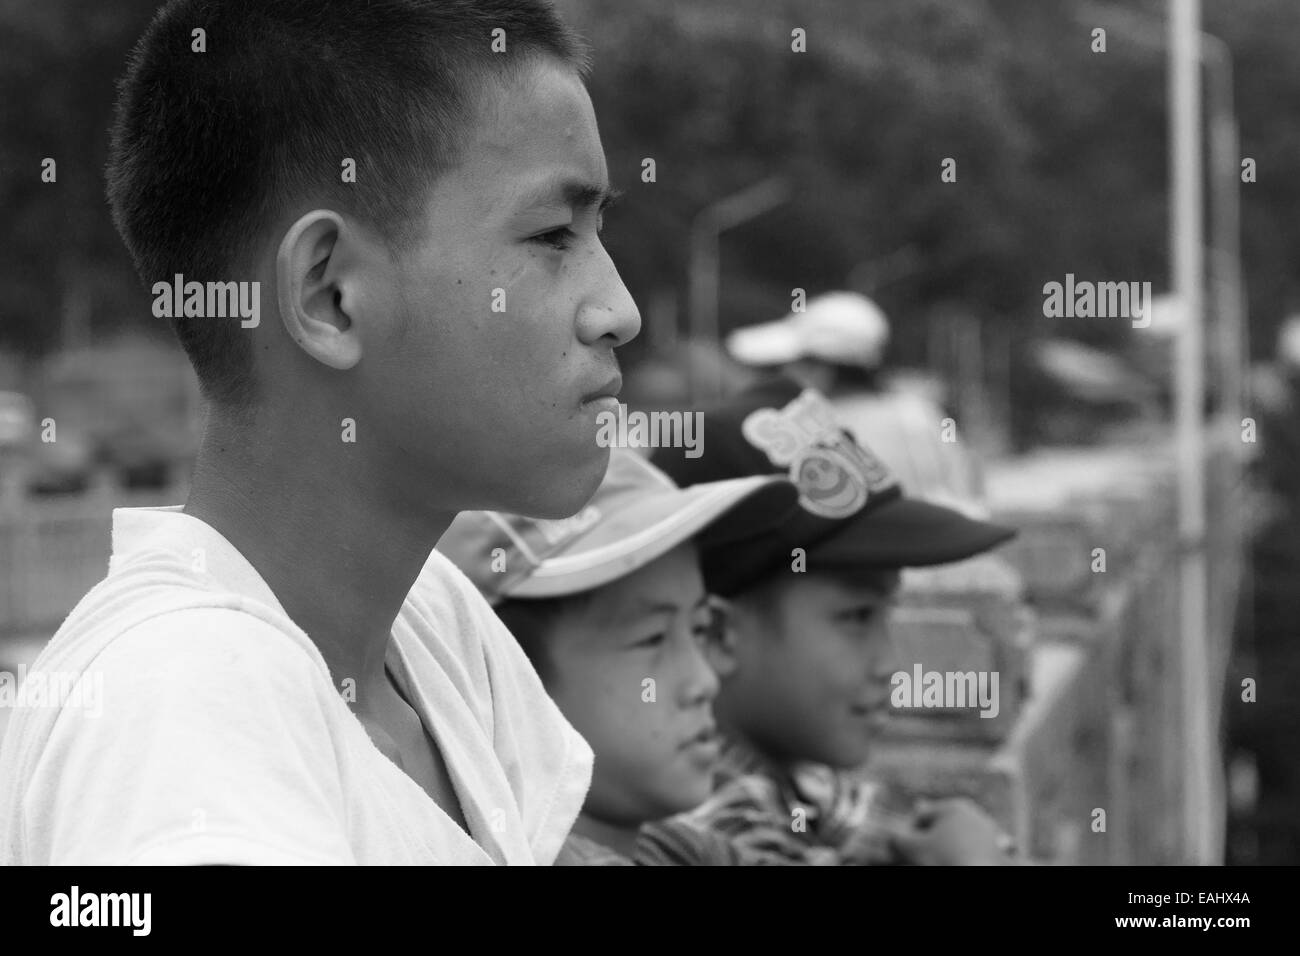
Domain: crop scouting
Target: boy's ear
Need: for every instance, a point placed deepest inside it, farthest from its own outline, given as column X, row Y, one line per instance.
column 720, row 649
column 308, row 294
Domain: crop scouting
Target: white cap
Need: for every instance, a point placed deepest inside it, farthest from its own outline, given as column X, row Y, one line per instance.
column 840, row 327
column 1288, row 342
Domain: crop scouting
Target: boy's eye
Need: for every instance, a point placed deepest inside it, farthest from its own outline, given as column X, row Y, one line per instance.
column 860, row 616
column 556, row 239
column 654, row 640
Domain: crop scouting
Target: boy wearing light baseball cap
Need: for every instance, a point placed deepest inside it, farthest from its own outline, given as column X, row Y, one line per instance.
column 805, row 656
column 610, row 607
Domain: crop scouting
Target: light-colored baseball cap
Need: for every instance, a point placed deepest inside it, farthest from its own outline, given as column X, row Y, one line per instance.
column 637, row 515
column 840, row 327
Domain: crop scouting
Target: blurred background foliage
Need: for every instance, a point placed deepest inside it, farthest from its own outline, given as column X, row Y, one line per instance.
column 1060, row 151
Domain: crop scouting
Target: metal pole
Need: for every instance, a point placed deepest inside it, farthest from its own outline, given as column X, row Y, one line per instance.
column 1231, row 330
column 704, row 279
column 1232, row 379
column 1225, row 213
column 1186, row 239
column 662, row 322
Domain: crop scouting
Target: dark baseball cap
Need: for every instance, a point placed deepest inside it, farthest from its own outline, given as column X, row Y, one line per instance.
column 852, row 512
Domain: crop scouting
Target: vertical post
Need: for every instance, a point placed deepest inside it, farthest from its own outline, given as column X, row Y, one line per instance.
column 1225, row 212
column 662, row 322
column 704, row 281
column 708, row 225
column 1232, row 379
column 1186, row 238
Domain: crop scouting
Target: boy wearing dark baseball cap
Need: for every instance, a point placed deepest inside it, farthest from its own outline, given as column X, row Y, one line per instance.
column 804, row 656
column 610, row 607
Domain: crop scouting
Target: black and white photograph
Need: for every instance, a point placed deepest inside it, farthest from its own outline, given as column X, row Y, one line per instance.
column 651, row 433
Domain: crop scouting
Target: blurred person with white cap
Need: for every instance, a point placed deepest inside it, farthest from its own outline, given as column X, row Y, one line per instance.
column 836, row 345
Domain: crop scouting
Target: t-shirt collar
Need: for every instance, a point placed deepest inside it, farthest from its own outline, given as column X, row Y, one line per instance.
column 193, row 542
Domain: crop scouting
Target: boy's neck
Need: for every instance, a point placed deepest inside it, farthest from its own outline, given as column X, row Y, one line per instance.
column 338, row 559
column 617, row 837
column 741, row 752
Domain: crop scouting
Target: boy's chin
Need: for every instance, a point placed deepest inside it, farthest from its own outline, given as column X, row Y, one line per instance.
column 568, row 492
column 682, row 801
column 848, row 754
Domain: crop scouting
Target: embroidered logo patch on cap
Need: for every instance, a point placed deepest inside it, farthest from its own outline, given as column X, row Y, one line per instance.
column 834, row 474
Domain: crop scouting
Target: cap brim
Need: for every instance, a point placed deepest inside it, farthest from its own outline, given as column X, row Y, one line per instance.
column 908, row 533
column 770, row 343
column 658, row 522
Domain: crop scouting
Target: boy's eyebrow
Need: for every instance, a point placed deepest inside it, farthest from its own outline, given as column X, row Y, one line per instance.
column 878, row 586
column 885, row 592
column 883, row 582
column 574, row 193
column 644, row 607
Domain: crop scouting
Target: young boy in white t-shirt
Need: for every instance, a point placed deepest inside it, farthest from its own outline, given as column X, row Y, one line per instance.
column 375, row 232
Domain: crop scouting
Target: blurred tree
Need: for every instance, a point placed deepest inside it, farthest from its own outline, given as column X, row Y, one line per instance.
column 859, row 124
column 64, row 267
column 1060, row 156
column 1061, row 152
column 1262, row 35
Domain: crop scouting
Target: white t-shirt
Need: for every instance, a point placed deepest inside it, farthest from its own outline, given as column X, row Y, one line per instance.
column 180, row 716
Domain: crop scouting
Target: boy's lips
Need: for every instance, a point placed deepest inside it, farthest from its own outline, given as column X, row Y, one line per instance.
column 875, row 714
column 610, row 389
column 706, row 737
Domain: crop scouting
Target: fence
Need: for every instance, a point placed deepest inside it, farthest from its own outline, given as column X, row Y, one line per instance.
column 52, row 550
column 1086, row 762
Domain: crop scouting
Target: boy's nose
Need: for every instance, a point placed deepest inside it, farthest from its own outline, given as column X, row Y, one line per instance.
column 700, row 682
column 608, row 314
column 888, row 656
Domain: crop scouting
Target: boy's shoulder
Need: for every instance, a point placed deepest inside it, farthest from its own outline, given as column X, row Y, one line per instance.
column 679, row 841
column 744, row 822
column 152, row 615
column 807, row 815
column 579, row 850
column 151, row 728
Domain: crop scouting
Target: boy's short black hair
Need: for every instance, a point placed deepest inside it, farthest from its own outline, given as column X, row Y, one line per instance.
column 208, row 147
column 532, row 621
